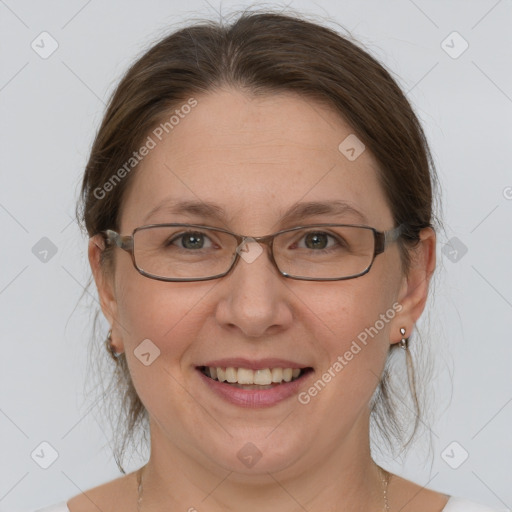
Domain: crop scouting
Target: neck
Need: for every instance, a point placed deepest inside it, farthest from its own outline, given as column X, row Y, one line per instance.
column 344, row 478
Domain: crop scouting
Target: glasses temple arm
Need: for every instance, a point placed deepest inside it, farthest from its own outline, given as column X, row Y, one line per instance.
column 123, row 242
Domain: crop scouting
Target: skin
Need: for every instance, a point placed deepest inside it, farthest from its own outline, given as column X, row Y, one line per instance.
column 256, row 157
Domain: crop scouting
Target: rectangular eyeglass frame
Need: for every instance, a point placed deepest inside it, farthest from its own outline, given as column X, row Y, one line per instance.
column 126, row 242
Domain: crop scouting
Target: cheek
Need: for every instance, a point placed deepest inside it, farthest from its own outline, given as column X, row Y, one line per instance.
column 352, row 327
column 170, row 317
column 360, row 309
column 169, row 314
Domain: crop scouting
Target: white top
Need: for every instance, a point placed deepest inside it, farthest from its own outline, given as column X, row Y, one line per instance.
column 454, row 504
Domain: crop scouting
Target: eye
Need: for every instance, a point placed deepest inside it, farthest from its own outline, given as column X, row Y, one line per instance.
column 191, row 240
column 317, row 240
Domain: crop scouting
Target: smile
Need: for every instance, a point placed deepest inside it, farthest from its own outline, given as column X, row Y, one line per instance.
column 246, row 378
column 254, row 388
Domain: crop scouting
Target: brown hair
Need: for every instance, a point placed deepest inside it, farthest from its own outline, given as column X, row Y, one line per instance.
column 265, row 53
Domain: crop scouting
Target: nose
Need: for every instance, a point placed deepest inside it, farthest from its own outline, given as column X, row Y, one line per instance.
column 254, row 297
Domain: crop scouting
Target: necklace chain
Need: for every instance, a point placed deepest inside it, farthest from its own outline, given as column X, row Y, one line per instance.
column 385, row 480
column 139, row 488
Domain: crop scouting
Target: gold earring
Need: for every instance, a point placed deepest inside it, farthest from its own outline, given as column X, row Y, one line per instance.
column 404, row 342
column 110, row 347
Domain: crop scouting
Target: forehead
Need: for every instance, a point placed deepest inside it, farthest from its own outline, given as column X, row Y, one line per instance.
column 256, row 157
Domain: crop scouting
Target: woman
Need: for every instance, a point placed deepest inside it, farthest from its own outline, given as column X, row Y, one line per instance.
column 257, row 360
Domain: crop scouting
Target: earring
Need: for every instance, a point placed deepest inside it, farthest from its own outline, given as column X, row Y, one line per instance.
column 404, row 342
column 110, row 347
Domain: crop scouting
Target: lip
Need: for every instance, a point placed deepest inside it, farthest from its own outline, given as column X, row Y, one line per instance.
column 256, row 398
column 253, row 364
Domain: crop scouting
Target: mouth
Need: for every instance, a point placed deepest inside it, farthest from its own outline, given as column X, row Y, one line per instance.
column 254, row 379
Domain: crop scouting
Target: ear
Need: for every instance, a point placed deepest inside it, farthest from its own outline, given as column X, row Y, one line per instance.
column 413, row 293
column 106, row 289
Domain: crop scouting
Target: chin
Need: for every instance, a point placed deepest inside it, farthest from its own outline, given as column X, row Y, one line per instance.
column 257, row 454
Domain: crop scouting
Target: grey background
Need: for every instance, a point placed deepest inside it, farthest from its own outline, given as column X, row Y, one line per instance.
column 49, row 111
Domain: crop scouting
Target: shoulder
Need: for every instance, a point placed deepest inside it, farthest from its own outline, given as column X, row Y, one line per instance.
column 118, row 494
column 457, row 504
column 408, row 496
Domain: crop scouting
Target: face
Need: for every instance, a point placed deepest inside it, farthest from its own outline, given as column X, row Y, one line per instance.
column 256, row 158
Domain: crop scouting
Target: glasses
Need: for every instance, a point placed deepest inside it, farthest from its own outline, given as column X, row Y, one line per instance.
column 191, row 252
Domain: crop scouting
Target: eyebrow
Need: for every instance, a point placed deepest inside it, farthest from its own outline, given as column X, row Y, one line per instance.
column 297, row 212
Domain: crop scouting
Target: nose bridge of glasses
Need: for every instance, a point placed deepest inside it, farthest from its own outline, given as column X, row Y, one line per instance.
column 265, row 240
column 249, row 255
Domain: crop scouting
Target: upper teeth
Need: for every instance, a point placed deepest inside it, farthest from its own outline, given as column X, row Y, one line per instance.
column 263, row 377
